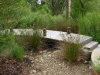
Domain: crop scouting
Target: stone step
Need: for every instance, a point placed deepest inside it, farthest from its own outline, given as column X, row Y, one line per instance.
column 90, row 46
column 85, row 39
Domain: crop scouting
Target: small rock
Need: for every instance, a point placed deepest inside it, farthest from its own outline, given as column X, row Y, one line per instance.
column 60, row 72
column 40, row 51
column 31, row 72
column 34, row 71
column 39, row 74
column 49, row 55
column 48, row 52
column 36, row 59
column 90, row 67
column 41, row 59
column 86, row 62
column 44, row 72
column 31, row 54
column 59, row 64
column 32, row 61
column 45, row 51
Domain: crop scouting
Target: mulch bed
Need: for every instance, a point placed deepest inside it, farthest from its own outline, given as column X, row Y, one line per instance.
column 10, row 66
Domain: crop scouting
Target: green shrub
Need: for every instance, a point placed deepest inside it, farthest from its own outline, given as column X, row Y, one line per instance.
column 80, row 7
column 56, row 6
column 18, row 51
column 89, row 25
column 25, row 21
column 97, row 67
column 59, row 23
column 9, row 47
column 43, row 19
column 59, row 19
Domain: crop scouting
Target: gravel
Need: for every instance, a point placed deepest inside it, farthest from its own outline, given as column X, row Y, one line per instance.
column 53, row 63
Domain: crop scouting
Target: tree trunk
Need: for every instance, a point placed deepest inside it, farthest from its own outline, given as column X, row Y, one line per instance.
column 68, row 5
column 67, row 9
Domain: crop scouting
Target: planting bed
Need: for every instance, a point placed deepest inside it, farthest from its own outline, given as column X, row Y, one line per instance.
column 44, row 62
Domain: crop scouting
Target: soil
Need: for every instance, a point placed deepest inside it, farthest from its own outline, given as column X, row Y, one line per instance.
column 10, row 66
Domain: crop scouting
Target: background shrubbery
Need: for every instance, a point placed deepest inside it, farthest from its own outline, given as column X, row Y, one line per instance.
column 89, row 25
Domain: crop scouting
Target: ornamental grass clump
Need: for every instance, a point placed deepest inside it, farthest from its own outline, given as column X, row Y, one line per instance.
column 71, row 49
column 30, row 41
column 36, row 39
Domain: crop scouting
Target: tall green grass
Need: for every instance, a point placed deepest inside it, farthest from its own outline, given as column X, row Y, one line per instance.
column 90, row 25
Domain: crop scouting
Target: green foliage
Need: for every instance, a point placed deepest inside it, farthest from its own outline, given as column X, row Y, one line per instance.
column 36, row 7
column 94, row 5
column 43, row 19
column 26, row 21
column 56, row 6
column 59, row 23
column 97, row 67
column 79, row 7
column 18, row 51
column 71, row 51
column 89, row 25
column 74, row 26
column 24, row 17
column 11, row 10
column 59, row 19
column 8, row 47
column 33, row 4
column 40, row 18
